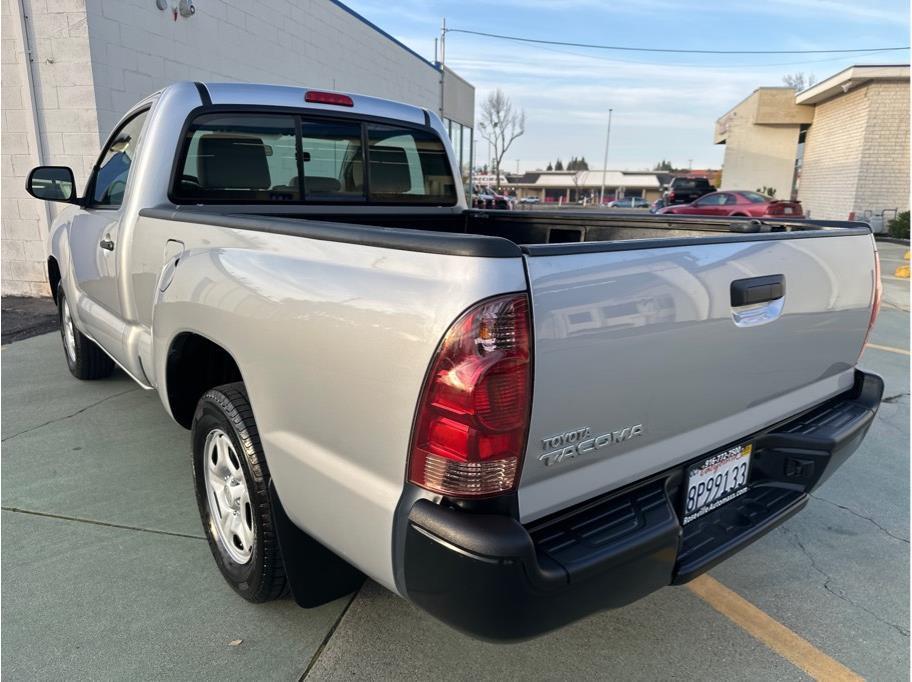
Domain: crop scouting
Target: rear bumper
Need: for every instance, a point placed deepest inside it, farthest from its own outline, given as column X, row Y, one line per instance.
column 492, row 577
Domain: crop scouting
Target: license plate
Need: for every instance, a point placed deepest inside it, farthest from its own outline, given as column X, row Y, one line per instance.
column 716, row 480
column 788, row 211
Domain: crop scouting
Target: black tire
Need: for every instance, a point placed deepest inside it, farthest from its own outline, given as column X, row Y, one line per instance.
column 84, row 359
column 226, row 408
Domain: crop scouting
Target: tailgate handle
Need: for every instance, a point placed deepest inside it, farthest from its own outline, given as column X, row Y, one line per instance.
column 757, row 290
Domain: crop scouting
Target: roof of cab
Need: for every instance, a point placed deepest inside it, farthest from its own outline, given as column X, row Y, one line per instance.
column 289, row 96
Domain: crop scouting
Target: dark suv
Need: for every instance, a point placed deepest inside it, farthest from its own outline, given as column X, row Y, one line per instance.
column 683, row 190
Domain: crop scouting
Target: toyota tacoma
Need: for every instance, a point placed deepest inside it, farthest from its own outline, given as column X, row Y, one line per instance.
column 513, row 419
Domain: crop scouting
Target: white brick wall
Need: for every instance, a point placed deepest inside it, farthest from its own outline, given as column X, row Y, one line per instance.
column 857, row 153
column 832, row 156
column 65, row 116
column 883, row 181
column 137, row 49
column 93, row 59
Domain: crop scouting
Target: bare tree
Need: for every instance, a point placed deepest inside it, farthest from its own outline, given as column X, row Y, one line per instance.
column 798, row 80
column 500, row 125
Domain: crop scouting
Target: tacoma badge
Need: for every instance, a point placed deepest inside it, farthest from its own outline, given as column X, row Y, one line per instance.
column 570, row 444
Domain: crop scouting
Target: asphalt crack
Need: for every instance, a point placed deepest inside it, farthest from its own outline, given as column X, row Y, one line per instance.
column 862, row 516
column 329, row 635
column 94, row 522
column 827, row 579
column 895, row 398
column 67, row 416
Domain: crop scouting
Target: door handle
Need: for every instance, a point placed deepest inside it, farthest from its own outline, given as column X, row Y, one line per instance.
column 107, row 244
column 757, row 290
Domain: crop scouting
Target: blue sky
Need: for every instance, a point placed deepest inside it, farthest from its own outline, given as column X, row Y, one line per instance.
column 664, row 105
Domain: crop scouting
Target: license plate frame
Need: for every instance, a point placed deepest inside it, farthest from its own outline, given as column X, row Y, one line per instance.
column 732, row 465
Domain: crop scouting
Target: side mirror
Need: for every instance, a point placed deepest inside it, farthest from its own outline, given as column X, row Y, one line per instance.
column 52, row 183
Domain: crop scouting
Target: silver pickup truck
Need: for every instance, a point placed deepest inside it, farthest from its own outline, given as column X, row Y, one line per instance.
column 512, row 419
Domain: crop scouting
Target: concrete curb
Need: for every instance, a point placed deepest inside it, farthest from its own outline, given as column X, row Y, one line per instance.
column 891, row 240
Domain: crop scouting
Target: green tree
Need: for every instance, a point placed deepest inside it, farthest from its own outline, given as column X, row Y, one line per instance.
column 899, row 226
column 550, row 167
column 665, row 166
column 558, row 165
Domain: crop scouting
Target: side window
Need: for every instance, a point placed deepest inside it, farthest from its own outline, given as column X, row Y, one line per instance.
column 333, row 160
column 114, row 166
column 409, row 166
column 239, row 157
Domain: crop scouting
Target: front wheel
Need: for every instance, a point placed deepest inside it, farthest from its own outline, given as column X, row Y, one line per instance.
column 232, row 480
column 85, row 360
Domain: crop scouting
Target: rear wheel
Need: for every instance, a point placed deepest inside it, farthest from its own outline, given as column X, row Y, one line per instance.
column 84, row 358
column 232, row 494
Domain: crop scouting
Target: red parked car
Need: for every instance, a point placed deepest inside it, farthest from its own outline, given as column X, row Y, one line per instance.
column 738, row 203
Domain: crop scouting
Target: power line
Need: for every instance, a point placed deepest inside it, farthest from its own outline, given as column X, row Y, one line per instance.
column 621, row 48
column 618, row 60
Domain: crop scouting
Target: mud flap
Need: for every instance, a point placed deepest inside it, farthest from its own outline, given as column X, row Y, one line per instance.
column 315, row 574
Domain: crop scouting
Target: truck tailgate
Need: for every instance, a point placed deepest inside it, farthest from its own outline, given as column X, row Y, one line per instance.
column 644, row 355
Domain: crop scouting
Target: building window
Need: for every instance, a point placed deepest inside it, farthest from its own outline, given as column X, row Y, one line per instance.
column 799, row 160
column 461, row 138
column 466, row 157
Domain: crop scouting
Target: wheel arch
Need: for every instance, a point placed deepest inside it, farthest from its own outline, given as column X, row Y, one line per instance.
column 195, row 364
column 53, row 275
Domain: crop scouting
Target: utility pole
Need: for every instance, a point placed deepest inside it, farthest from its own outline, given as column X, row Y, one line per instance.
column 605, row 162
column 443, row 32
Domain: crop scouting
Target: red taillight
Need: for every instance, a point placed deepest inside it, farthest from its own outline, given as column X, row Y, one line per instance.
column 318, row 97
column 875, row 304
column 473, row 414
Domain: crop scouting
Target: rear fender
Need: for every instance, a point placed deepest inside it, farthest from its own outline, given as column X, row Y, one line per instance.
column 333, row 341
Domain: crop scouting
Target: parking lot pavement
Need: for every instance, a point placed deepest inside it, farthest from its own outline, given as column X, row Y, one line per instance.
column 106, row 574
column 896, row 289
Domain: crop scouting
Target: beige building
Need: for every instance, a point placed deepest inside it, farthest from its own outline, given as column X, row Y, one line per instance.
column 573, row 186
column 760, row 135
column 841, row 146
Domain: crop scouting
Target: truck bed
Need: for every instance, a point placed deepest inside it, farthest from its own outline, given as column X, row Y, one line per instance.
column 636, row 323
column 530, row 230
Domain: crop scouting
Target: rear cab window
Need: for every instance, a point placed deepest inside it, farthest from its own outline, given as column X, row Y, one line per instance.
column 247, row 158
column 408, row 166
column 281, row 158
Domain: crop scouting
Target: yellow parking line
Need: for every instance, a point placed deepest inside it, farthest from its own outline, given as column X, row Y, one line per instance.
column 889, row 349
column 772, row 633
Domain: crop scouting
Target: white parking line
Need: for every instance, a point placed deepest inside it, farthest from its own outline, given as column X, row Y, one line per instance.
column 889, row 349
